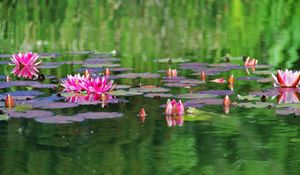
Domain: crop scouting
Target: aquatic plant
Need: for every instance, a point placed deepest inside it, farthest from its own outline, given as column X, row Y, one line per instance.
column 73, row 83
column 97, row 85
column 174, row 108
column 250, row 62
column 25, row 64
column 286, row 78
column 9, row 102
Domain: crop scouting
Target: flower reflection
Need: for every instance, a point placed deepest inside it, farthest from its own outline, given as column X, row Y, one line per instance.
column 83, row 98
column 226, row 109
column 25, row 64
column 252, row 69
column 288, row 95
column 174, row 120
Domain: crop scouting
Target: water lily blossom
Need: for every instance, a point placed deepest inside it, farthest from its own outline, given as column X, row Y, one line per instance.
column 25, row 64
column 250, row 62
column 203, row 75
column 9, row 101
column 171, row 73
column 174, row 108
column 287, row 78
column 218, row 80
column 174, row 73
column 73, row 83
column 107, row 71
column 97, row 85
column 231, row 79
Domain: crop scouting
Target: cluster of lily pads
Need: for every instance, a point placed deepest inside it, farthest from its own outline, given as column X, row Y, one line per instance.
column 91, row 88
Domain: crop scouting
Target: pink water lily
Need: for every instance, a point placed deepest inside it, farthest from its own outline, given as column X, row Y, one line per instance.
column 74, row 83
column 250, row 62
column 25, row 64
column 97, row 85
column 287, row 78
column 174, row 108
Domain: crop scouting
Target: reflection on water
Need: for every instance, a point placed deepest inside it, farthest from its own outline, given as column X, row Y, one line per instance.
column 288, row 95
column 246, row 141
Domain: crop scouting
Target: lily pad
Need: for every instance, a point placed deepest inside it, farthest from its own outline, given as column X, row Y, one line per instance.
column 8, row 84
column 265, row 80
column 4, row 117
column 99, row 115
column 139, row 75
column 21, row 95
column 126, row 93
column 249, row 78
column 151, row 89
column 59, row 119
column 193, row 65
column 30, row 114
column 158, row 95
column 46, row 86
column 196, row 96
column 217, row 92
column 108, row 64
column 100, row 60
column 52, row 105
column 173, row 60
column 256, row 105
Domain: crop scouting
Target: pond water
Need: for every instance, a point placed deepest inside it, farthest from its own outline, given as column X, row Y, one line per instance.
column 138, row 41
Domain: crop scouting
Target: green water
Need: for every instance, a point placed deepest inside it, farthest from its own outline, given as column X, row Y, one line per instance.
column 245, row 141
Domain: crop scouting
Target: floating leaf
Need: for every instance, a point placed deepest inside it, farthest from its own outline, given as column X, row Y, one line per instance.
column 59, row 119
column 139, row 75
column 108, row 64
column 249, row 78
column 151, row 89
column 30, row 114
column 126, row 93
column 247, row 97
column 100, row 60
column 256, row 105
column 265, row 80
column 185, row 85
column 46, row 86
column 4, row 117
column 99, row 115
column 122, row 86
column 52, row 105
column 158, row 95
column 21, row 95
column 17, row 83
column 193, row 65
column 23, row 107
column 217, row 92
column 203, row 101
column 174, row 60
column 196, row 96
